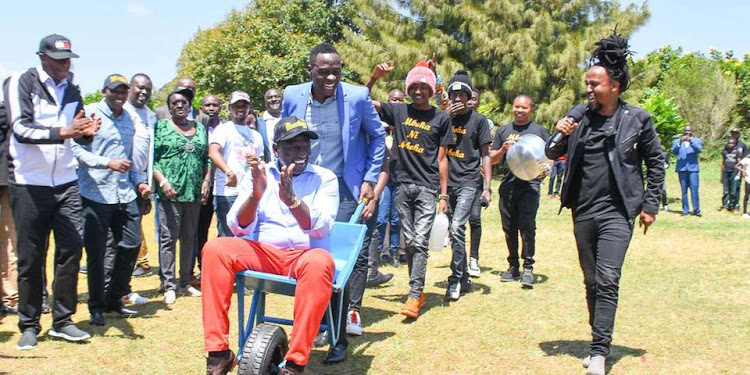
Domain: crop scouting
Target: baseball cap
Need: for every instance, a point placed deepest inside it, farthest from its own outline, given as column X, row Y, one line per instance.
column 290, row 127
column 114, row 81
column 238, row 96
column 57, row 47
column 184, row 91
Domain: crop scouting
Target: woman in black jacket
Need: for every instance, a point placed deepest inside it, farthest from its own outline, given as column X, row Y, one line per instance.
column 606, row 146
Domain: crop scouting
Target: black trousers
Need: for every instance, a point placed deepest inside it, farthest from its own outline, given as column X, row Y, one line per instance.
column 124, row 222
column 37, row 210
column 475, row 223
column 518, row 207
column 204, row 223
column 602, row 243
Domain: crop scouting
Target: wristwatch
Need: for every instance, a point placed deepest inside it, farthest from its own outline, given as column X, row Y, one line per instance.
column 442, row 197
column 295, row 203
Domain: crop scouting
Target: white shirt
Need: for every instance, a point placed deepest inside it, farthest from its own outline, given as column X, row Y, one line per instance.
column 236, row 141
column 745, row 162
column 143, row 154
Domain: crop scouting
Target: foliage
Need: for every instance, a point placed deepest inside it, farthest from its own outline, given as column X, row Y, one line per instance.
column 741, row 71
column 263, row 46
column 508, row 46
column 664, row 112
column 93, row 97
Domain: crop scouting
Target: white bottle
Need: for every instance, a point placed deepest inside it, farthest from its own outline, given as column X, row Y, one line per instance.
column 439, row 232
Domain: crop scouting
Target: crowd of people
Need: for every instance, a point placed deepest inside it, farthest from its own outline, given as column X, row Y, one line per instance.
column 277, row 182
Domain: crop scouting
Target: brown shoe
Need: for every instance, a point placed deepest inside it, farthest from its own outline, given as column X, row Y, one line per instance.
column 195, row 283
column 412, row 305
column 289, row 371
column 220, row 366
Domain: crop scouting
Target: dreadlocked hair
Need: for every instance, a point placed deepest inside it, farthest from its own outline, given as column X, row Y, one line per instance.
column 612, row 53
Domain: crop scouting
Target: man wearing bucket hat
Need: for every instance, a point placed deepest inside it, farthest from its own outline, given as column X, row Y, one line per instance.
column 281, row 207
column 110, row 186
column 46, row 113
column 519, row 199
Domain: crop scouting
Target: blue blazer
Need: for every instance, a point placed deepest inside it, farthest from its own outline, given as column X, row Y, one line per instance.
column 361, row 129
column 687, row 157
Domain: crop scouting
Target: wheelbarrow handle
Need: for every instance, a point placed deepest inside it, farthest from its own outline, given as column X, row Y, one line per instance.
column 358, row 211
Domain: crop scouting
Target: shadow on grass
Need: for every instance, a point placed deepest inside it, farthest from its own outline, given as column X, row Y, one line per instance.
column 372, row 315
column 475, row 287
column 580, row 349
column 123, row 323
column 538, row 277
column 355, row 364
column 5, row 336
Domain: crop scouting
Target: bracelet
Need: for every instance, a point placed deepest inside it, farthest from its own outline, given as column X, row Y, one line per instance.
column 488, row 189
column 296, row 202
column 163, row 182
column 442, row 197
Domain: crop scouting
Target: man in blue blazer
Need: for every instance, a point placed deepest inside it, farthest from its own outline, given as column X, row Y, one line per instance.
column 351, row 144
column 687, row 147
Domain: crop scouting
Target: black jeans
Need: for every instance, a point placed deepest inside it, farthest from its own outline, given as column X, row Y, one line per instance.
column 602, row 243
column 204, row 223
column 37, row 210
column 730, row 199
column 461, row 199
column 124, row 222
column 475, row 223
column 518, row 207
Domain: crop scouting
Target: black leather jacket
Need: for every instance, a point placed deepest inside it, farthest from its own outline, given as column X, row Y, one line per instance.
column 633, row 141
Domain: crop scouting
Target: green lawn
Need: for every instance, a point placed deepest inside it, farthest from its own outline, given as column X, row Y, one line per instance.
column 684, row 305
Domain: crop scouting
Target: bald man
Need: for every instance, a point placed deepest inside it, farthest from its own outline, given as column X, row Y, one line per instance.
column 162, row 112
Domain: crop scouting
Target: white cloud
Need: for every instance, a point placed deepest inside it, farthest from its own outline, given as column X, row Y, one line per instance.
column 138, row 9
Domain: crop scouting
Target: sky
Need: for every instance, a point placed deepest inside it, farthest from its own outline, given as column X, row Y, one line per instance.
column 129, row 37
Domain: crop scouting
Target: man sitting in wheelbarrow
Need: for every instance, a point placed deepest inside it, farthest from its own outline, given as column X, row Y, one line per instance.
column 281, row 206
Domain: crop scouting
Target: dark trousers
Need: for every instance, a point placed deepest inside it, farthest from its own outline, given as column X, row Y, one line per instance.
column 177, row 221
column 37, row 210
column 690, row 180
column 205, row 216
column 747, row 192
column 556, row 177
column 416, row 208
column 366, row 263
column 602, row 243
column 518, row 207
column 387, row 214
column 475, row 223
column 123, row 220
column 222, row 204
column 730, row 199
column 461, row 199
column 347, row 206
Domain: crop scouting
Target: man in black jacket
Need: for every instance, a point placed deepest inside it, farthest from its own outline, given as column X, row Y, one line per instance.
column 604, row 185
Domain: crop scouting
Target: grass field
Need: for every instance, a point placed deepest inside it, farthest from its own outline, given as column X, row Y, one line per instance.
column 685, row 297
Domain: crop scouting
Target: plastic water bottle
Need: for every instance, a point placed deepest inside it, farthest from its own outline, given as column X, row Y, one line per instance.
column 439, row 232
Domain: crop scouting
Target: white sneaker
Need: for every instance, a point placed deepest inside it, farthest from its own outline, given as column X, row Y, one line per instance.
column 666, row 208
column 746, row 216
column 596, row 366
column 447, row 241
column 321, row 339
column 190, row 291
column 134, row 299
column 170, row 297
column 353, row 323
column 474, row 270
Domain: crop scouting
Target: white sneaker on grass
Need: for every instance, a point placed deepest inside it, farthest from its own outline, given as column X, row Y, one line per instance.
column 474, row 270
column 134, row 299
column 746, row 216
column 170, row 297
column 353, row 323
column 190, row 291
column 596, row 366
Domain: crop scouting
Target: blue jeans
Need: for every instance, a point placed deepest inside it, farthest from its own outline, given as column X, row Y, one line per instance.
column 461, row 199
column 387, row 214
column 416, row 207
column 690, row 180
column 222, row 204
column 556, row 177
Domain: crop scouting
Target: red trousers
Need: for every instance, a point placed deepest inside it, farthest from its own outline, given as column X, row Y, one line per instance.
column 313, row 269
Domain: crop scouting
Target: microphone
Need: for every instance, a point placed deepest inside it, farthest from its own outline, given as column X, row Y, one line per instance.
column 575, row 115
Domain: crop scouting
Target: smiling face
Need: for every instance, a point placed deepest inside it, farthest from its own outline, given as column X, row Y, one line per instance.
column 57, row 69
column 295, row 150
column 473, row 102
column 178, row 107
column 116, row 98
column 239, row 111
column 140, row 91
column 420, row 93
column 522, row 110
column 325, row 72
column 273, row 102
column 601, row 90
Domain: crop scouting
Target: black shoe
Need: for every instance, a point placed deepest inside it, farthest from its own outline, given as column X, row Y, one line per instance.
column 336, row 354
column 97, row 319
column 385, row 258
column 511, row 274
column 527, row 280
column 27, row 341
column 45, row 305
column 402, row 258
column 698, row 214
column 124, row 311
column 70, row 333
column 140, row 271
column 466, row 286
column 220, row 365
column 453, row 293
column 378, row 278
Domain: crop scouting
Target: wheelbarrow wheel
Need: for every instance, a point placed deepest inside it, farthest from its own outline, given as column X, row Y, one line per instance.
column 264, row 350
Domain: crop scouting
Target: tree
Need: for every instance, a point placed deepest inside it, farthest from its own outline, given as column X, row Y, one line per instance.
column 665, row 115
column 93, row 97
column 263, row 46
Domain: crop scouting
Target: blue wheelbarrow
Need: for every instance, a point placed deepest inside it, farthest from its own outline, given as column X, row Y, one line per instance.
column 262, row 343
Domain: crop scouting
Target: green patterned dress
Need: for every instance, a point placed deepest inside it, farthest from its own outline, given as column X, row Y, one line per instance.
column 181, row 159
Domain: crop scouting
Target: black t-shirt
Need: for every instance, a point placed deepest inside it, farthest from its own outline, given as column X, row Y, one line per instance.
column 471, row 131
column 742, row 147
column 731, row 158
column 417, row 138
column 594, row 188
column 514, row 132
